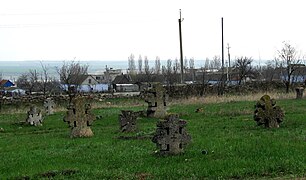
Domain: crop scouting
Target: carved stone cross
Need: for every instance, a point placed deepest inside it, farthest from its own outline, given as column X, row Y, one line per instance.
column 34, row 116
column 267, row 114
column 49, row 106
column 171, row 136
column 79, row 117
column 157, row 101
column 127, row 121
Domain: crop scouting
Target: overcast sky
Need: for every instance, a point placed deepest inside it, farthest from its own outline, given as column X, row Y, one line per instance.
column 112, row 30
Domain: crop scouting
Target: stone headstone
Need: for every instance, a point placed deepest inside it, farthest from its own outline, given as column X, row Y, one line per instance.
column 171, row 136
column 127, row 121
column 157, row 98
column 49, row 106
column 79, row 117
column 267, row 113
column 299, row 92
column 34, row 116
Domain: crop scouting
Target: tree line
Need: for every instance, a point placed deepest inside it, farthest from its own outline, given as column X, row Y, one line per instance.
column 287, row 65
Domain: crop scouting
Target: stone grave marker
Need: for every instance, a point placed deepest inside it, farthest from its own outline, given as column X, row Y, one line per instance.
column 267, row 113
column 171, row 136
column 299, row 92
column 127, row 121
column 79, row 117
column 156, row 98
column 49, row 106
column 34, row 116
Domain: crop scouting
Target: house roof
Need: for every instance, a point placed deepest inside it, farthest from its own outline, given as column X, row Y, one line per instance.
column 122, row 79
column 6, row 83
column 82, row 78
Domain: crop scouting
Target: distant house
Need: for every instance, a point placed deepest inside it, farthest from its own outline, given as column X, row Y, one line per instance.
column 124, row 83
column 14, row 91
column 6, row 83
column 108, row 76
column 298, row 76
column 88, row 83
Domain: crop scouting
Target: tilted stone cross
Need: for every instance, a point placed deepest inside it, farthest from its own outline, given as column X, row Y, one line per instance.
column 79, row 117
column 171, row 136
column 267, row 114
column 34, row 116
column 127, row 121
column 49, row 106
column 157, row 101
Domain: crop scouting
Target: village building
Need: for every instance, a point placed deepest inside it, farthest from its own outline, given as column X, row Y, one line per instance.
column 88, row 83
column 124, row 83
column 6, row 83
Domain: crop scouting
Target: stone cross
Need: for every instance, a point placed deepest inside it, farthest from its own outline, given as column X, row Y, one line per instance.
column 171, row 136
column 49, row 106
column 127, row 121
column 157, row 101
column 79, row 117
column 34, row 116
column 299, row 92
column 267, row 114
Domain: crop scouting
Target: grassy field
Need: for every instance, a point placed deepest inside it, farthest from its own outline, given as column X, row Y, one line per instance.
column 237, row 148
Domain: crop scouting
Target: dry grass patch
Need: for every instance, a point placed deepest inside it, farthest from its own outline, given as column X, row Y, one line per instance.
column 231, row 98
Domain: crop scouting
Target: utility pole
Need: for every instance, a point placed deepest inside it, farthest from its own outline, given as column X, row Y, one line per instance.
column 181, row 47
column 229, row 62
column 222, row 46
column 221, row 88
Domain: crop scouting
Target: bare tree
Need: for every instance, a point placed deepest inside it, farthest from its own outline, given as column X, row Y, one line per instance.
column 244, row 67
column 191, row 67
column 167, row 72
column 131, row 63
column 148, row 71
column 177, row 66
column 207, row 64
column 44, row 77
column 33, row 80
column 72, row 74
column 140, row 64
column 23, row 82
column 185, row 63
column 191, row 63
column 216, row 62
column 289, row 62
column 157, row 65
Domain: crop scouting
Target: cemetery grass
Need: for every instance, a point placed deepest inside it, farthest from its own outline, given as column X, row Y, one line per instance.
column 226, row 144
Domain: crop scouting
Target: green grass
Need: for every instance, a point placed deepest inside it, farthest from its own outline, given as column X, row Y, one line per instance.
column 236, row 147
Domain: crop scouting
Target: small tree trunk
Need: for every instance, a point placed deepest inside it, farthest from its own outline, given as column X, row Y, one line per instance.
column 287, row 86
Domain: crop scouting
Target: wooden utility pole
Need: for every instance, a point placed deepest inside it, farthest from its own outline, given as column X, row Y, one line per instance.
column 181, row 47
column 221, row 85
column 222, row 46
column 229, row 63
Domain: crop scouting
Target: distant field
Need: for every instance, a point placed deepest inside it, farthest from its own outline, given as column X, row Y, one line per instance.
column 237, row 148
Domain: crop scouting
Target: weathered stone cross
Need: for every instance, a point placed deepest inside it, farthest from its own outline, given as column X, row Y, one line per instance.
column 157, row 101
column 171, row 136
column 127, row 121
column 79, row 117
column 267, row 114
column 34, row 116
column 49, row 106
